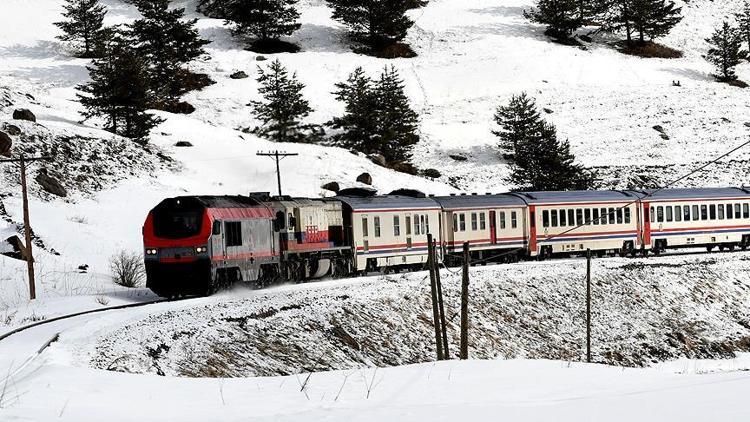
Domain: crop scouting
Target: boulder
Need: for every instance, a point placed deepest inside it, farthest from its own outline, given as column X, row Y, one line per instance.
column 13, row 247
column 332, row 186
column 238, row 75
column 365, row 178
column 24, row 114
column 261, row 58
column 457, row 157
column 431, row 173
column 659, row 129
column 50, row 184
column 183, row 144
column 548, row 110
column 664, row 136
column 378, row 159
column 404, row 167
column 11, row 130
column 5, row 144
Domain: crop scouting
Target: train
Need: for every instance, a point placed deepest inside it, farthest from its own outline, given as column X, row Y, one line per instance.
column 195, row 245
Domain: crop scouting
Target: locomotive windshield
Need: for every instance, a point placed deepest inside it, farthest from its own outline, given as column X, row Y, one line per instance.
column 178, row 218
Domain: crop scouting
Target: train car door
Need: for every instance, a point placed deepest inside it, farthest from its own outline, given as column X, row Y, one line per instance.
column 646, row 225
column 532, row 230
column 493, row 227
column 218, row 247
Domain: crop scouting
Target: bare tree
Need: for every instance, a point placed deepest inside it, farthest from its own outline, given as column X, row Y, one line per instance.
column 127, row 269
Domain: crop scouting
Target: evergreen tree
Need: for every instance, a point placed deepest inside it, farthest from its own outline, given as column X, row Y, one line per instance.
column 397, row 124
column 264, row 20
column 562, row 17
column 119, row 91
column 743, row 20
column 375, row 22
column 283, row 106
column 83, row 24
column 725, row 52
column 358, row 124
column 167, row 42
column 518, row 121
column 654, row 18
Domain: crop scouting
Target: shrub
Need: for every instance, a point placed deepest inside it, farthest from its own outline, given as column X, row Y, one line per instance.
column 127, row 269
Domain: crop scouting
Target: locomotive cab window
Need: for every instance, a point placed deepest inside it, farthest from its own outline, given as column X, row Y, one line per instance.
column 216, row 229
column 233, row 233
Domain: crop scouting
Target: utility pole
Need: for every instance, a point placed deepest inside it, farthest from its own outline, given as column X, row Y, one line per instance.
column 465, row 304
column 278, row 156
column 26, row 220
column 588, row 305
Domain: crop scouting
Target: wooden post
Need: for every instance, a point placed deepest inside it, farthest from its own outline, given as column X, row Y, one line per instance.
column 441, row 308
column 465, row 304
column 27, row 230
column 588, row 305
column 434, row 296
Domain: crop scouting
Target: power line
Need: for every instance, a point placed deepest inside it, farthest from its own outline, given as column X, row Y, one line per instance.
column 277, row 156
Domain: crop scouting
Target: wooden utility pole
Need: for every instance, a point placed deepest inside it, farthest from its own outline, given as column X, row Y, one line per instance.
column 465, row 304
column 434, row 296
column 588, row 305
column 277, row 156
column 29, row 255
column 441, row 308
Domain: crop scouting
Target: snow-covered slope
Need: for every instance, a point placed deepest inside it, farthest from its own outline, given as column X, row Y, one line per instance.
column 472, row 57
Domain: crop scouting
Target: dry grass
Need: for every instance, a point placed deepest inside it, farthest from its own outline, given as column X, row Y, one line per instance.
column 394, row 51
column 650, row 50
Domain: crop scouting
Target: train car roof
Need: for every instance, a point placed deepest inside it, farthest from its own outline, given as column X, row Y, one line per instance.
column 572, row 197
column 693, row 193
column 478, row 201
column 387, row 202
column 223, row 201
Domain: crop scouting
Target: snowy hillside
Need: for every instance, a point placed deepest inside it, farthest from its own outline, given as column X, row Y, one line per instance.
column 472, row 57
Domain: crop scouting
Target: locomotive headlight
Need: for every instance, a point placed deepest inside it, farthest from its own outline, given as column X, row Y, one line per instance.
column 150, row 251
column 201, row 249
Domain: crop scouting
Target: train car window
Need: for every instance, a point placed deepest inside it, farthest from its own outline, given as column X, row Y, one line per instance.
column 686, row 212
column 554, row 218
column 455, row 223
column 422, row 224
column 730, row 211
column 474, row 222
column 678, row 213
column 376, row 221
column 660, row 214
column 704, row 212
column 627, row 215
column 712, row 211
column 482, row 221
column 587, row 215
column 745, row 210
column 407, row 225
column 563, row 219
column 619, row 216
column 696, row 214
column 513, row 219
column 427, row 223
column 571, row 217
column 545, row 218
column 669, row 213
column 417, row 230
column 579, row 217
column 396, row 225
column 603, row 216
column 737, row 213
column 462, row 222
column 653, row 215
column 721, row 211
column 596, row 217
column 611, row 214
column 233, row 230
column 216, row 229
column 365, row 229
column 502, row 220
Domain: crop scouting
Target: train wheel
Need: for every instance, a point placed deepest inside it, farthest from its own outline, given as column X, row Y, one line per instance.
column 710, row 248
column 731, row 247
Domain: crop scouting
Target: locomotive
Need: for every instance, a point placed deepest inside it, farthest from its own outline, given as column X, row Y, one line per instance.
column 198, row 244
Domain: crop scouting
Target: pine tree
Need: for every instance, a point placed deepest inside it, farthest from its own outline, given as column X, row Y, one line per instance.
column 725, row 52
column 518, row 121
column 562, row 17
column 264, row 20
column 119, row 91
column 375, row 22
column 167, row 42
column 283, row 106
column 654, row 18
column 84, row 24
column 743, row 20
column 358, row 124
column 397, row 124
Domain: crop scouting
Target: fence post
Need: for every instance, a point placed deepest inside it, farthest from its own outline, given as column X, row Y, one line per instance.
column 465, row 304
column 588, row 305
column 434, row 298
column 441, row 308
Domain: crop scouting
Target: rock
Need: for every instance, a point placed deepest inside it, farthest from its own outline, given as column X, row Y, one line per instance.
column 260, row 58
column 11, row 130
column 725, row 120
column 431, row 173
column 585, row 38
column 83, row 268
column 365, row 178
column 405, row 168
column 238, row 75
column 548, row 110
column 50, row 184
column 332, row 186
column 24, row 114
column 378, row 159
column 5, row 144
column 747, row 124
column 183, row 144
column 17, row 249
column 664, row 136
column 659, row 129
column 458, row 157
